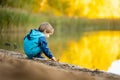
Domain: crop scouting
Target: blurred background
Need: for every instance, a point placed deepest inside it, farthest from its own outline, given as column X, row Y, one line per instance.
column 86, row 31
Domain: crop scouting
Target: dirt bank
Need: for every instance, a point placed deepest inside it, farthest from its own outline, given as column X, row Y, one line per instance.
column 15, row 66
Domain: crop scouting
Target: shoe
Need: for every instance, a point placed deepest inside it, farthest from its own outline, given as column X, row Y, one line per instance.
column 39, row 58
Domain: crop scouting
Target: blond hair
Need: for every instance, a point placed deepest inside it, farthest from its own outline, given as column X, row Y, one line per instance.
column 45, row 26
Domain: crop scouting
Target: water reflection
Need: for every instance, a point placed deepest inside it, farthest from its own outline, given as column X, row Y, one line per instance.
column 95, row 50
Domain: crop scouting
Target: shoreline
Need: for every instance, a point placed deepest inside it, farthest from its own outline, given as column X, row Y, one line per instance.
column 91, row 74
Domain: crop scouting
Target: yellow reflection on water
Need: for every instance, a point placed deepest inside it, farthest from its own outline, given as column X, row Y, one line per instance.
column 95, row 50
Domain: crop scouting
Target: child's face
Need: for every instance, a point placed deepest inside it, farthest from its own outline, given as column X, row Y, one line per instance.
column 47, row 35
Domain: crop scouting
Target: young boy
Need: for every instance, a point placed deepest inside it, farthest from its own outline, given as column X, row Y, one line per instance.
column 35, row 42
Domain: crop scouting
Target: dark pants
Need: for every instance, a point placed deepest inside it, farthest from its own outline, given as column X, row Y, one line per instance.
column 38, row 56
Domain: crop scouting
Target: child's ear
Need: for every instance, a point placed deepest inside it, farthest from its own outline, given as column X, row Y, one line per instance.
column 44, row 31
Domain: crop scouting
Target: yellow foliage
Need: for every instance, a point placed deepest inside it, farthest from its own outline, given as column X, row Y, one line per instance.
column 95, row 51
column 41, row 6
column 81, row 8
column 95, row 8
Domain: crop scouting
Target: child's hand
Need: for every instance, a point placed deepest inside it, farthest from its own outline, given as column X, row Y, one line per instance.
column 53, row 58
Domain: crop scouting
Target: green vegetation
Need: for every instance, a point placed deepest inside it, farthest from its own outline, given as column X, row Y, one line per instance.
column 64, row 26
column 9, row 18
column 20, row 4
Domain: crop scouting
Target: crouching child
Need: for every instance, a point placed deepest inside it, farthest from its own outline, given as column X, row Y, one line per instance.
column 35, row 42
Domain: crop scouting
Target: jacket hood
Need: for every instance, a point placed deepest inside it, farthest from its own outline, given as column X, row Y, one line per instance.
column 35, row 34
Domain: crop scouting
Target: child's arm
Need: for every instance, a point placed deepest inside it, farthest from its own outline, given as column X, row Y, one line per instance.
column 45, row 49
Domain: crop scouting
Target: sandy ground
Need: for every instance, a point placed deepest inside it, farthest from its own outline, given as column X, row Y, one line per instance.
column 14, row 66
